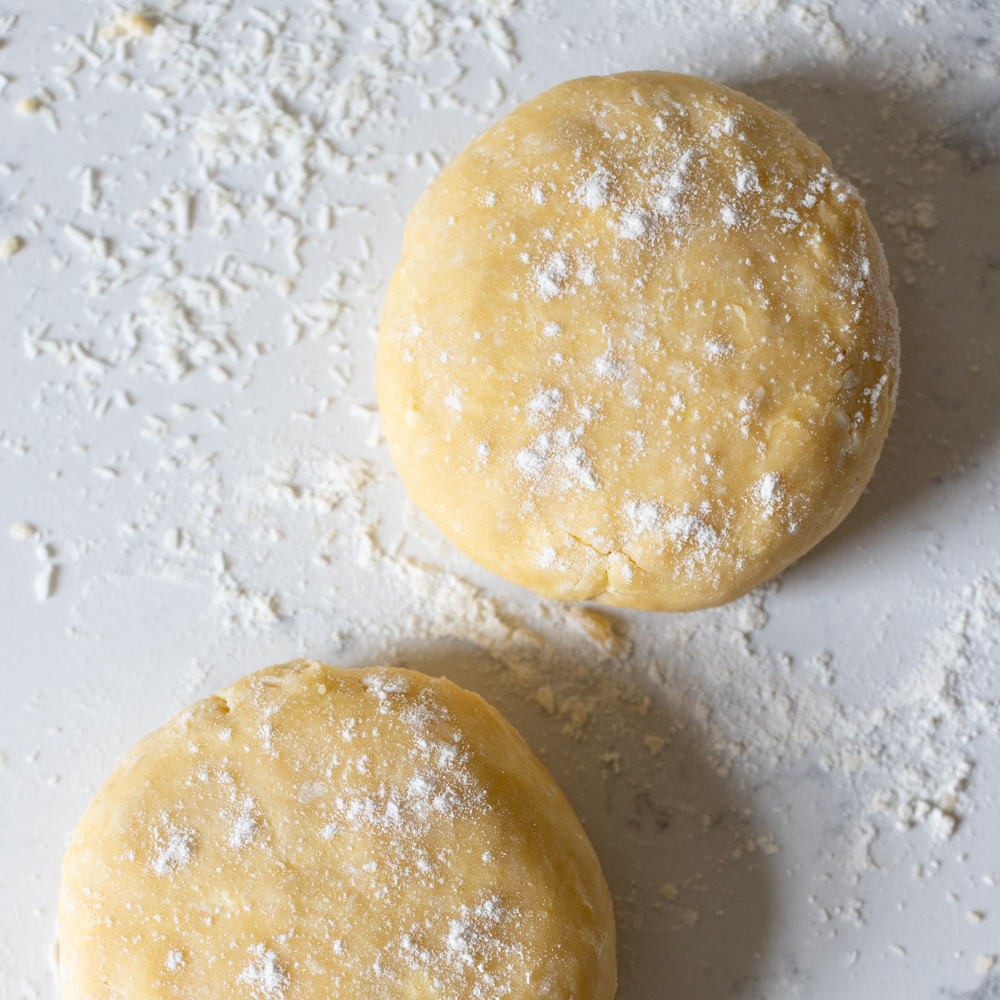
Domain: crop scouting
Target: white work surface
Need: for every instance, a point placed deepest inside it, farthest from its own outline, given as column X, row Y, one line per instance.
column 207, row 217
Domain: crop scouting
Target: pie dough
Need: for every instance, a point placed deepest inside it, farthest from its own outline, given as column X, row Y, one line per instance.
column 640, row 347
column 312, row 832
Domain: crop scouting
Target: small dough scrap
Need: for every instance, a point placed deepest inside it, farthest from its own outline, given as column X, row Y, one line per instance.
column 312, row 832
column 640, row 347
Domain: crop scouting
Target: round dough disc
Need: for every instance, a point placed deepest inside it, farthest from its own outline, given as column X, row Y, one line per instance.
column 640, row 346
column 313, row 832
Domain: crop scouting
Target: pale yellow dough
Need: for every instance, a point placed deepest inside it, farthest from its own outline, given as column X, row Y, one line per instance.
column 640, row 347
column 312, row 832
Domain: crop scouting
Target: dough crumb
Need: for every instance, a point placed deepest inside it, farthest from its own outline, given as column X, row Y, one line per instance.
column 10, row 245
column 29, row 106
column 546, row 698
column 129, row 24
column 600, row 629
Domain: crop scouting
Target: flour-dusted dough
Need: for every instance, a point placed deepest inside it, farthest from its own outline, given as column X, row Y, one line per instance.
column 640, row 347
column 312, row 832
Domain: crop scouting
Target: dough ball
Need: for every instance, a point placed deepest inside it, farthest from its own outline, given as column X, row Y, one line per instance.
column 640, row 347
column 312, row 832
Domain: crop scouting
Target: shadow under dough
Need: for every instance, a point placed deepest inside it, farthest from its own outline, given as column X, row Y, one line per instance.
column 932, row 188
column 693, row 905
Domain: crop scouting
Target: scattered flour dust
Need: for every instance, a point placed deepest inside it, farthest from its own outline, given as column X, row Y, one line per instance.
column 906, row 755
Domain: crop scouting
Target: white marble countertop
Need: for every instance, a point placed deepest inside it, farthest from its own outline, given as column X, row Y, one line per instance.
column 794, row 796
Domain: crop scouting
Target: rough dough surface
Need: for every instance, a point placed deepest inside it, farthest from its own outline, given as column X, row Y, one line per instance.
column 312, row 832
column 640, row 346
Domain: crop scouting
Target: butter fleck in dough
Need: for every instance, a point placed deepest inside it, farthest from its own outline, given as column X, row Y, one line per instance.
column 640, row 347
column 312, row 832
